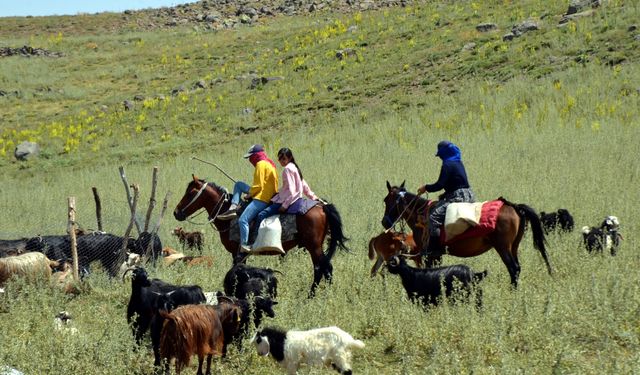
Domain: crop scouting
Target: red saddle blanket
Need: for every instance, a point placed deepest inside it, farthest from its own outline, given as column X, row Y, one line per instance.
column 486, row 224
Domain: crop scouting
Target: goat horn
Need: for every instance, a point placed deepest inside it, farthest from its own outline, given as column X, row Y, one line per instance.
column 409, row 256
column 226, row 298
column 127, row 270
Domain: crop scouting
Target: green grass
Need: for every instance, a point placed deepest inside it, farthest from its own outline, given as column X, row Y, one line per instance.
column 550, row 135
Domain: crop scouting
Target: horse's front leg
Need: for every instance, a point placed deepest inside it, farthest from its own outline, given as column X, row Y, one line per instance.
column 432, row 260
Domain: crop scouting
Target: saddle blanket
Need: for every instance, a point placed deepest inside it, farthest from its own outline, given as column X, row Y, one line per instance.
column 466, row 220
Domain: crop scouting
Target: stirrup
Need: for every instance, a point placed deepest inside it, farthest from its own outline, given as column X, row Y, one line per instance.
column 228, row 215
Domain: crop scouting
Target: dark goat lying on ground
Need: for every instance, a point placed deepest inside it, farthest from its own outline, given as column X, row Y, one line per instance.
column 191, row 240
column 606, row 237
column 425, row 285
column 242, row 280
column 560, row 219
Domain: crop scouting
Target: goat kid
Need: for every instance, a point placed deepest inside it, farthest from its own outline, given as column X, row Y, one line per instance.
column 329, row 346
column 62, row 323
column 191, row 240
column 425, row 285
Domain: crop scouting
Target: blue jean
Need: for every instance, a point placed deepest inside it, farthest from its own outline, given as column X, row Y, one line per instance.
column 250, row 212
column 271, row 210
column 238, row 188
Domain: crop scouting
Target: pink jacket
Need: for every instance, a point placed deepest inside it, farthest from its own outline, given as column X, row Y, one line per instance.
column 293, row 188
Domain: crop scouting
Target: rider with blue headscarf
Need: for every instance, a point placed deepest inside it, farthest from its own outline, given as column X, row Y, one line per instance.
column 453, row 179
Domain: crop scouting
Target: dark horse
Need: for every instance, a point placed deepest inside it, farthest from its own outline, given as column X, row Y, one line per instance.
column 510, row 227
column 312, row 227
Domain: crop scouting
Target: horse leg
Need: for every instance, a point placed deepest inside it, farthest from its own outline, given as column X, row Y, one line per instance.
column 432, row 260
column 511, row 261
column 376, row 266
column 317, row 276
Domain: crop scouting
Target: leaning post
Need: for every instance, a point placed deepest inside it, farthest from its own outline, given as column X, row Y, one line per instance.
column 71, row 228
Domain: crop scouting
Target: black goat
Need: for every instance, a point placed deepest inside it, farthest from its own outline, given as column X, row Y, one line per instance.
column 605, row 237
column 242, row 280
column 560, row 219
column 425, row 285
column 257, row 308
column 148, row 295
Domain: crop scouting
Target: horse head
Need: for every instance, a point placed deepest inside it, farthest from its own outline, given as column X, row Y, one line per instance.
column 393, row 204
column 195, row 198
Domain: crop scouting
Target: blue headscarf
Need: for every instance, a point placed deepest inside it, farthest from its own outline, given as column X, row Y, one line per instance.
column 448, row 151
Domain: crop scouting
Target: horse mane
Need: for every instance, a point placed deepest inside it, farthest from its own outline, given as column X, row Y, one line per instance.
column 220, row 189
column 410, row 197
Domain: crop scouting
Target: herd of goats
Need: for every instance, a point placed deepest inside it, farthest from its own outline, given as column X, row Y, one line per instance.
column 183, row 320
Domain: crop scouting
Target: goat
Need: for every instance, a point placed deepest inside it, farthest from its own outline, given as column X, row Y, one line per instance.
column 605, row 237
column 191, row 240
column 238, row 281
column 197, row 329
column 561, row 219
column 257, row 307
column 132, row 260
column 187, row 259
column 145, row 294
column 329, row 346
column 13, row 247
column 63, row 279
column 167, row 302
column 387, row 244
column 425, row 285
column 32, row 265
column 62, row 323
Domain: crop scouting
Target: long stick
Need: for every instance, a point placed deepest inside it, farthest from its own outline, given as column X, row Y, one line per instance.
column 152, row 201
column 129, row 199
column 215, row 165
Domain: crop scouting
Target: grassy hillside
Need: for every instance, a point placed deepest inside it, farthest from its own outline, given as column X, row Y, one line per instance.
column 394, row 59
column 549, row 119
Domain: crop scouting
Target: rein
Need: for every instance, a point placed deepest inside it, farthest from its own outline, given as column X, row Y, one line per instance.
column 217, row 208
column 401, row 196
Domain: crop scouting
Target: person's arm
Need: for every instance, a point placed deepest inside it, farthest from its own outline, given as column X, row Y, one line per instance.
column 307, row 191
column 442, row 180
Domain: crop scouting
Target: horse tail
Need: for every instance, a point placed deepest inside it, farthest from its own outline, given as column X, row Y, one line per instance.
column 527, row 213
column 372, row 249
column 335, row 228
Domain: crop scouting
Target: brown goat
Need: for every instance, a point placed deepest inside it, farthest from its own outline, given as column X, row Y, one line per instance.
column 192, row 240
column 199, row 330
column 388, row 244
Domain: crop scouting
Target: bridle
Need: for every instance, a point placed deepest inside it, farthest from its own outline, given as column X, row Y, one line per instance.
column 218, row 207
column 401, row 199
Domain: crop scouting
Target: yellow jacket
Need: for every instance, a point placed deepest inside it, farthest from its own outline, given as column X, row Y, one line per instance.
column 265, row 182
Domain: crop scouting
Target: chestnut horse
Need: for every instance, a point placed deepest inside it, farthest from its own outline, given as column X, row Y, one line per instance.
column 312, row 227
column 510, row 227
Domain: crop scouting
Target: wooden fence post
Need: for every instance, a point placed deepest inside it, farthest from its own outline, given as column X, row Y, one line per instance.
column 134, row 203
column 152, row 201
column 98, row 208
column 71, row 228
column 129, row 200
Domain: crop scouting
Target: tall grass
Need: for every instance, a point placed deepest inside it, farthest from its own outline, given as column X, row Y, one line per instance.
column 582, row 319
column 566, row 138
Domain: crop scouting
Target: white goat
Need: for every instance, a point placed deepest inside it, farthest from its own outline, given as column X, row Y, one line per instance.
column 31, row 265
column 133, row 259
column 329, row 346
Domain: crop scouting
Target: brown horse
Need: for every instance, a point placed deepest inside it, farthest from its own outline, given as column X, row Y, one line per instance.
column 312, row 227
column 510, row 227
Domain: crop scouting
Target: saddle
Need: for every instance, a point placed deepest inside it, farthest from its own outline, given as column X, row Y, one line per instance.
column 467, row 220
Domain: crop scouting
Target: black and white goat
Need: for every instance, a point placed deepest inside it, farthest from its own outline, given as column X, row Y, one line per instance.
column 561, row 220
column 328, row 346
column 242, row 280
column 605, row 237
column 425, row 285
